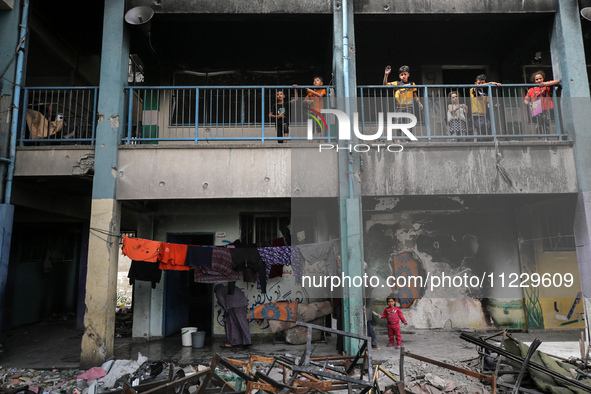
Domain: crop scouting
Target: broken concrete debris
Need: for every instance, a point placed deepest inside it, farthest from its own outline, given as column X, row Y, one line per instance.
column 498, row 358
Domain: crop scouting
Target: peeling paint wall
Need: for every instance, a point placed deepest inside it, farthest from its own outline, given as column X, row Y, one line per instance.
column 429, row 169
column 445, row 238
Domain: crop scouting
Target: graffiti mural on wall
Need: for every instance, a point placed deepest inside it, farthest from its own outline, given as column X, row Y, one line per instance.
column 533, row 307
column 505, row 314
column 452, row 244
column 571, row 317
column 281, row 290
column 406, row 265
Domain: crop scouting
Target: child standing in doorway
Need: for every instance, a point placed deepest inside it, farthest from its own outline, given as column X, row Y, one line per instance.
column 540, row 101
column 393, row 314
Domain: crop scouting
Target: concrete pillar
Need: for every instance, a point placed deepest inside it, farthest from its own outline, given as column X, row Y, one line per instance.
column 351, row 228
column 9, row 40
column 103, row 244
column 568, row 63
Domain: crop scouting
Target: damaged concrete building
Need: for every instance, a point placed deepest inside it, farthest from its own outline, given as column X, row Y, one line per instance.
column 151, row 118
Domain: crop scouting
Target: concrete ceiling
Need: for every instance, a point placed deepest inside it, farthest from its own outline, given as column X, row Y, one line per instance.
column 296, row 46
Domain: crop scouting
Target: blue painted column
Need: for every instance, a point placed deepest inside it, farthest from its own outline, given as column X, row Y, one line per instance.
column 9, row 40
column 351, row 226
column 568, row 63
column 103, row 243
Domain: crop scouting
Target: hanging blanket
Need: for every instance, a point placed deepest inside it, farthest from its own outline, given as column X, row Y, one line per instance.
column 40, row 127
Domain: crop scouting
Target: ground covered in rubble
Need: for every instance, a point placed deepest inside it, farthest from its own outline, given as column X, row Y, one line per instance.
column 45, row 357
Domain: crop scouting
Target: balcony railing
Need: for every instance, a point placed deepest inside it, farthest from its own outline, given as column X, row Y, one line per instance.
column 190, row 114
column 58, row 115
column 480, row 112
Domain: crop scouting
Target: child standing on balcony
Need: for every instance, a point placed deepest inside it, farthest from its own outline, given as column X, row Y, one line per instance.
column 404, row 96
column 456, row 116
column 314, row 100
column 480, row 106
column 281, row 116
column 393, row 315
column 540, row 101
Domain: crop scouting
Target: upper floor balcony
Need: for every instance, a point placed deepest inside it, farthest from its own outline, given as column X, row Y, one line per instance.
column 164, row 115
column 469, row 139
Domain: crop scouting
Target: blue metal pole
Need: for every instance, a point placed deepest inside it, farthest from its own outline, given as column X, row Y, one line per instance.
column 24, row 115
column 262, row 115
column 130, row 114
column 94, row 115
column 556, row 115
column 16, row 100
column 347, row 95
column 492, row 113
column 196, row 115
column 427, row 118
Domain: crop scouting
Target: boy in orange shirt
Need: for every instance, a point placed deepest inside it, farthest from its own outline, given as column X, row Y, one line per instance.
column 315, row 100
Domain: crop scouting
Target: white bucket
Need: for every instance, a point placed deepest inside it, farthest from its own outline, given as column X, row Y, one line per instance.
column 186, row 335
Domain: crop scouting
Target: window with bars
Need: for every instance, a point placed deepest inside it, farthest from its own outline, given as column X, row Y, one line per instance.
column 557, row 224
column 257, row 228
column 265, row 227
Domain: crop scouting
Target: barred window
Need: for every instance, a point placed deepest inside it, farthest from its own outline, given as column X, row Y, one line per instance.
column 557, row 225
column 265, row 227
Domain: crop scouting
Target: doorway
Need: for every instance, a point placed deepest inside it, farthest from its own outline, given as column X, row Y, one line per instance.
column 461, row 75
column 188, row 304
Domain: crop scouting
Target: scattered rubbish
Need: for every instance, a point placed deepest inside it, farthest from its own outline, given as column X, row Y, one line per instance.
column 438, row 383
column 297, row 374
column 529, row 369
column 502, row 365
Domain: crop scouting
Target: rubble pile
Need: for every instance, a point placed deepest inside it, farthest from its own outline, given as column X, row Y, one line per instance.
column 500, row 364
column 112, row 376
column 15, row 380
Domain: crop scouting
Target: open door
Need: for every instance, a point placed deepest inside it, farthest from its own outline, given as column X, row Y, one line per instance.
column 188, row 304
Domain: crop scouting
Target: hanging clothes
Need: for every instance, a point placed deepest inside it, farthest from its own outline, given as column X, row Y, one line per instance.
column 313, row 253
column 220, row 270
column 297, row 265
column 274, row 271
column 275, row 258
column 199, row 256
column 139, row 249
column 172, row 257
column 279, row 242
column 144, row 271
column 249, row 262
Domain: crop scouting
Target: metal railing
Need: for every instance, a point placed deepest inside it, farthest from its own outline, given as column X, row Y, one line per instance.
column 196, row 114
column 58, row 115
column 480, row 112
column 212, row 113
